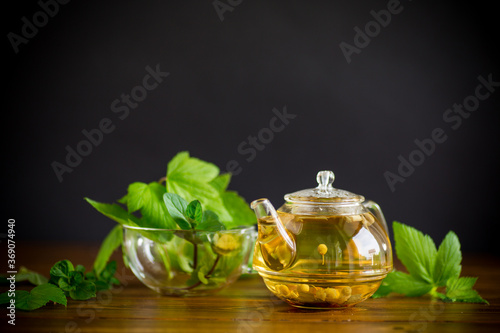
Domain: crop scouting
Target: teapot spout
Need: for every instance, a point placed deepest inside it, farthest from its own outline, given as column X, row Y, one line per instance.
column 267, row 216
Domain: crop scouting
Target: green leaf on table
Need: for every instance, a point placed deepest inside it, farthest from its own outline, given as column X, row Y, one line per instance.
column 65, row 285
column 416, row 251
column 190, row 178
column 210, row 222
column 176, row 207
column 71, row 282
column 403, row 283
column 194, row 212
column 108, row 275
column 38, row 297
column 33, row 277
column 448, row 260
column 50, row 292
column 76, row 277
column 4, row 298
column 112, row 241
column 383, row 290
column 105, row 279
column 429, row 268
column 460, row 290
column 115, row 212
column 26, row 301
column 148, row 199
column 61, row 269
column 64, row 275
column 77, row 286
column 83, row 291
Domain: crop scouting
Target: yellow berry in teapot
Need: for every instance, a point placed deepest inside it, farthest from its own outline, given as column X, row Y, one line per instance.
column 345, row 294
column 322, row 249
column 320, row 294
column 303, row 288
column 332, row 295
column 282, row 290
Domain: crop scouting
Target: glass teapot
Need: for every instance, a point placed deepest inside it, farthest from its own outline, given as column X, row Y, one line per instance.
column 324, row 248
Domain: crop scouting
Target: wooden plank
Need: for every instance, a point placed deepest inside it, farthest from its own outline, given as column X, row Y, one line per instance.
column 142, row 326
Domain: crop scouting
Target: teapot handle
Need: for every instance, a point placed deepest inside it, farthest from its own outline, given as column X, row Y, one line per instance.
column 375, row 209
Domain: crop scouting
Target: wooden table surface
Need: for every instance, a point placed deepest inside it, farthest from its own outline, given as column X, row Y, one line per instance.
column 246, row 306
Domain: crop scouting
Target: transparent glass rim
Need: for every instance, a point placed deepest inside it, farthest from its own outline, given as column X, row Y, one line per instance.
column 342, row 203
column 234, row 230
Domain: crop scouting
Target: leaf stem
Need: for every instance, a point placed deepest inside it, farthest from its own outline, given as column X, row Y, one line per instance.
column 195, row 252
column 213, row 267
column 191, row 287
column 207, row 276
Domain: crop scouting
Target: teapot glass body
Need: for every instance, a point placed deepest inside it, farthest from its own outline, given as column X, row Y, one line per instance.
column 325, row 253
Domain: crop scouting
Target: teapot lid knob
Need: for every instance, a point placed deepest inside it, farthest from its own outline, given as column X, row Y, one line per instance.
column 324, row 193
column 325, row 180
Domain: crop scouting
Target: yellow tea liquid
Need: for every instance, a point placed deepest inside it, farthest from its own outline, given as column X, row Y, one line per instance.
column 339, row 260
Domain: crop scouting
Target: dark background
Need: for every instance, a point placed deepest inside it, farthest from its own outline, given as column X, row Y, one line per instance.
column 225, row 79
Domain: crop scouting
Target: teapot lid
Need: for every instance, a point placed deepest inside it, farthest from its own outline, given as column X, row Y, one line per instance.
column 325, row 193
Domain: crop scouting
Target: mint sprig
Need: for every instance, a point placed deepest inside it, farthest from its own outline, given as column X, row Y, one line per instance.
column 460, row 290
column 429, row 268
column 36, row 298
column 191, row 216
column 65, row 281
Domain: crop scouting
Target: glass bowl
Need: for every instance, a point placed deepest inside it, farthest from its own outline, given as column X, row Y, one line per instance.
column 187, row 262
